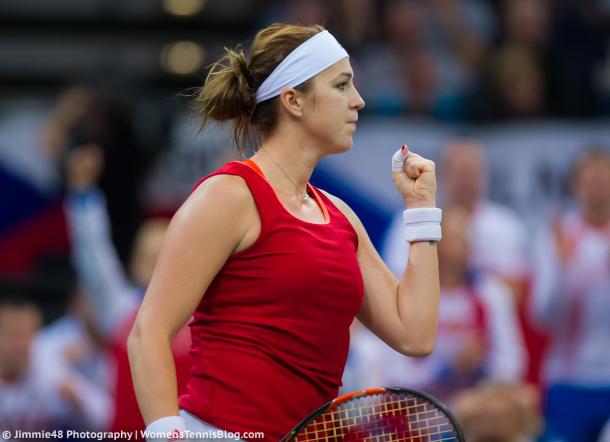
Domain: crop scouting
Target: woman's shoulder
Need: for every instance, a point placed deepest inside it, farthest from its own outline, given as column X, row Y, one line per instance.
column 227, row 185
column 219, row 211
column 227, row 194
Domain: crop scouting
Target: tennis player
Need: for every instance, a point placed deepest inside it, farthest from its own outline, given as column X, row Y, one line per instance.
column 272, row 269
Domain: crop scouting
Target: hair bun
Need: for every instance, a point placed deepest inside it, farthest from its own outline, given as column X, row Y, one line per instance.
column 243, row 67
column 227, row 92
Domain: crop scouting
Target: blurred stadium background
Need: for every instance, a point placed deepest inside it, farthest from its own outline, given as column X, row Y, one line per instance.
column 529, row 79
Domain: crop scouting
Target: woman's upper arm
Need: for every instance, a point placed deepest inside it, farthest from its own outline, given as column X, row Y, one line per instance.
column 200, row 238
column 379, row 310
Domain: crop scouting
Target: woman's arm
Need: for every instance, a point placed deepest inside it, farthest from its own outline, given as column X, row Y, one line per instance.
column 402, row 313
column 95, row 259
column 507, row 356
column 548, row 290
column 214, row 222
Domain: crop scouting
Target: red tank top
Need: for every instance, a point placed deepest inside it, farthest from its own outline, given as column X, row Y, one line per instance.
column 271, row 335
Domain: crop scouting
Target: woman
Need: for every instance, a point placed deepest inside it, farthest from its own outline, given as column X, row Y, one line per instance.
column 571, row 303
column 283, row 266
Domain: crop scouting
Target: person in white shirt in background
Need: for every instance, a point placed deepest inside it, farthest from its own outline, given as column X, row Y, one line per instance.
column 53, row 377
column 478, row 333
column 497, row 236
column 26, row 393
column 73, row 350
column 571, row 301
column 39, row 388
column 496, row 246
column 605, row 435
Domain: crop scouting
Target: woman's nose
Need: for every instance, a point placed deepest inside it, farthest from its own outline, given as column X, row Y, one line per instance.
column 358, row 102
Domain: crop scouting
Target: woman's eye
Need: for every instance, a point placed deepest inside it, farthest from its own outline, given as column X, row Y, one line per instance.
column 342, row 85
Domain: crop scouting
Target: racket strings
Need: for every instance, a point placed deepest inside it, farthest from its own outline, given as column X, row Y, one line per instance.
column 382, row 417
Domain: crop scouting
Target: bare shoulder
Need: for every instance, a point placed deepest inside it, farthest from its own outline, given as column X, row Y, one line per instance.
column 232, row 187
column 221, row 198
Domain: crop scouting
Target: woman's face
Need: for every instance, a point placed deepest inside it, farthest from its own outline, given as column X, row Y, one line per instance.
column 331, row 108
column 454, row 249
column 593, row 183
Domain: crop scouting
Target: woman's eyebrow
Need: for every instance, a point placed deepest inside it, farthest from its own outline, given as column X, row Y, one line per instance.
column 348, row 75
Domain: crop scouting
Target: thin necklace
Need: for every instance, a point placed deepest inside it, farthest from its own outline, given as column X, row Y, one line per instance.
column 304, row 196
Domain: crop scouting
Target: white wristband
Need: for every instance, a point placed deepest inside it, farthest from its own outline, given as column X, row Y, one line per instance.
column 422, row 224
column 166, row 429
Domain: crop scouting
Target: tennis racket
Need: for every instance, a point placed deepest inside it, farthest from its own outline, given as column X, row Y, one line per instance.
column 379, row 414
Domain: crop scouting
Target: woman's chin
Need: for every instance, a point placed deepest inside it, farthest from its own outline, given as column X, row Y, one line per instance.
column 344, row 146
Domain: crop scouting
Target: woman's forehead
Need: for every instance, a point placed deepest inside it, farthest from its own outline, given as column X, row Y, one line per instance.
column 343, row 66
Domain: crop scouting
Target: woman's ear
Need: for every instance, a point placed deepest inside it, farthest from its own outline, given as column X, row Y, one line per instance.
column 293, row 101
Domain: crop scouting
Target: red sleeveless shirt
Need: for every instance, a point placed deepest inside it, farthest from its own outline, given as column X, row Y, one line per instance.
column 271, row 334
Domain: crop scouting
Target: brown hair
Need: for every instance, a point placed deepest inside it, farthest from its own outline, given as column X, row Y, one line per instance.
column 230, row 88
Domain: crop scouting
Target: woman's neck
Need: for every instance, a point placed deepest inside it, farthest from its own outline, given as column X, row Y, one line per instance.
column 287, row 161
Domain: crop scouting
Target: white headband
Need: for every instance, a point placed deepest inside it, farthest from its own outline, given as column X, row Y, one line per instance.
column 309, row 59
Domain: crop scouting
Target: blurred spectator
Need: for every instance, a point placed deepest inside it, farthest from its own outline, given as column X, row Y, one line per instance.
column 355, row 23
column 114, row 297
column 403, row 22
column 519, row 84
column 459, row 34
column 70, row 351
column 527, row 23
column 70, row 107
column 549, row 58
column 478, row 334
column 83, row 115
column 73, row 349
column 417, row 90
column 497, row 412
column 429, row 61
column 517, row 73
column 572, row 283
column 303, row 12
column 29, row 393
column 425, row 94
column 580, row 58
column 464, row 27
column 379, row 71
column 497, row 236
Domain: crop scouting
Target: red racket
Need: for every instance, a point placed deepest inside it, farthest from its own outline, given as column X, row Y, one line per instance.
column 379, row 414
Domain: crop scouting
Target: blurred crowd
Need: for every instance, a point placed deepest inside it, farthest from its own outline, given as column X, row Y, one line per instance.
column 522, row 327
column 471, row 60
column 522, row 351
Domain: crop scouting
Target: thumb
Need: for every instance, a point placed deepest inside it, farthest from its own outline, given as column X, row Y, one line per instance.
column 398, row 159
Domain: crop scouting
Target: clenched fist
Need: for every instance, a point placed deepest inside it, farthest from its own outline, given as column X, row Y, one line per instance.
column 415, row 178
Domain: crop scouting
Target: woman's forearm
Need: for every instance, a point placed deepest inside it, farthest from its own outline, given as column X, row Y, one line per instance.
column 418, row 295
column 154, row 374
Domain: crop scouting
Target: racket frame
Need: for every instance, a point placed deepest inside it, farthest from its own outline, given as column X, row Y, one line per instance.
column 332, row 405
